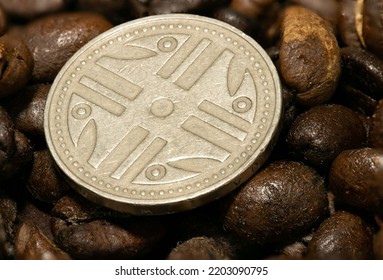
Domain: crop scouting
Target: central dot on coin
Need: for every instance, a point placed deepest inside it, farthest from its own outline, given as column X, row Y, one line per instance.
column 162, row 107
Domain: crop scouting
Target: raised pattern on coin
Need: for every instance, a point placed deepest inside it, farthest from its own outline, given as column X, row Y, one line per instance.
column 163, row 114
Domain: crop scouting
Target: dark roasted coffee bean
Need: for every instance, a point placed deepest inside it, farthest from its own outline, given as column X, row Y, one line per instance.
column 280, row 203
column 341, row 236
column 376, row 131
column 373, row 26
column 318, row 135
column 202, row 248
column 7, row 138
column 27, row 109
column 27, row 9
column 44, row 182
column 347, row 23
column 55, row 38
column 76, row 221
column 309, row 56
column 363, row 70
column 116, row 11
column 378, row 245
column 250, row 8
column 353, row 178
column 180, row 6
column 3, row 239
column 3, row 20
column 32, row 244
column 8, row 216
column 16, row 65
column 327, row 9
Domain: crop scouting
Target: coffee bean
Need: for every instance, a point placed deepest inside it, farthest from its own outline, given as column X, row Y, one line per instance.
column 353, row 178
column 8, row 216
column 3, row 239
column 3, row 20
column 55, row 38
column 44, row 182
column 341, row 236
column 201, row 248
column 75, row 223
column 327, row 9
column 27, row 9
column 309, row 56
column 347, row 23
column 250, row 8
column 363, row 70
column 376, row 132
column 158, row 7
column 27, row 109
column 378, row 244
column 32, row 244
column 16, row 65
column 280, row 203
column 373, row 26
column 7, row 136
column 318, row 135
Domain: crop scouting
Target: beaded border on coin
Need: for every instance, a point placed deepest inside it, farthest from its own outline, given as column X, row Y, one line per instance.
column 193, row 193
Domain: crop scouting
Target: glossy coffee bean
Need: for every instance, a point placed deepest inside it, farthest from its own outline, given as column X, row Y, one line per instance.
column 16, row 65
column 318, row 135
column 27, row 9
column 353, row 178
column 44, row 183
column 309, row 56
column 341, row 236
column 3, row 20
column 376, row 131
column 75, row 222
column 280, row 203
column 347, row 23
column 27, row 109
column 373, row 26
column 55, row 38
column 363, row 70
column 201, row 248
column 32, row 244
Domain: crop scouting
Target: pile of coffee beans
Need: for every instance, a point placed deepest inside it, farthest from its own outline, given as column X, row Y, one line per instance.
column 318, row 196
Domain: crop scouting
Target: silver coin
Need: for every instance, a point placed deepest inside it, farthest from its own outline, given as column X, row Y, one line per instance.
column 163, row 114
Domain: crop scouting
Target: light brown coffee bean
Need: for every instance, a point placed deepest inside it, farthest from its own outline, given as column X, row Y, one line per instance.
column 280, row 203
column 53, row 39
column 353, row 178
column 348, row 24
column 318, row 135
column 309, row 56
column 341, row 236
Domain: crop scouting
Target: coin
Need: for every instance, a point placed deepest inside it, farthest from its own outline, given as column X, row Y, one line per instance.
column 163, row 114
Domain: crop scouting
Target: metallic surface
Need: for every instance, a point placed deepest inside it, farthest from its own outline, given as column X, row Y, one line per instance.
column 163, row 114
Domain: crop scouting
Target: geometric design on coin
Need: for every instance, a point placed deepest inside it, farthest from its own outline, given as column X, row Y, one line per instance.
column 163, row 114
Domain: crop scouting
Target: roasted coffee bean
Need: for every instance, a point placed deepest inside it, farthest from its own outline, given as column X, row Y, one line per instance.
column 55, row 38
column 341, row 236
column 309, row 56
column 76, row 221
column 27, row 109
column 318, row 135
column 378, row 245
column 180, row 6
column 8, row 216
column 16, row 65
column 348, row 13
column 7, row 137
column 27, row 9
column 363, row 70
column 32, row 244
column 250, row 8
column 353, row 178
column 3, row 239
column 202, row 248
column 3, row 20
column 44, row 182
column 280, row 203
column 327, row 9
column 373, row 26
column 376, row 131
column 116, row 11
